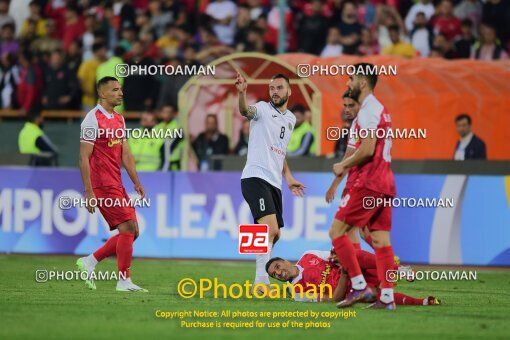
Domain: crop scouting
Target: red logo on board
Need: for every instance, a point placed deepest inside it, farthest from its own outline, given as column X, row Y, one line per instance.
column 253, row 239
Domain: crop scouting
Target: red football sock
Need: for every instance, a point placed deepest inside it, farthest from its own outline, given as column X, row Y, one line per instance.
column 125, row 252
column 356, row 246
column 402, row 299
column 346, row 254
column 368, row 240
column 366, row 260
column 385, row 262
column 108, row 249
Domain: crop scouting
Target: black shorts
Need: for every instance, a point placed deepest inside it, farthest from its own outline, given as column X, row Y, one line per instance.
column 263, row 199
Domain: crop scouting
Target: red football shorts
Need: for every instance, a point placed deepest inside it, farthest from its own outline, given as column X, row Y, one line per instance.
column 357, row 210
column 114, row 214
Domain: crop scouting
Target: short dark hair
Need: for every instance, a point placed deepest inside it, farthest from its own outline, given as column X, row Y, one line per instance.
column 150, row 113
column 9, row 25
column 297, row 108
column 188, row 45
column 78, row 42
column 33, row 113
column 488, row 25
column 281, row 76
column 168, row 105
column 348, row 94
column 57, row 51
column 271, row 261
column 466, row 22
column 256, row 30
column 213, row 115
column 207, row 29
column 441, row 34
column 11, row 58
column 170, row 25
column 463, row 116
column 74, row 9
column 104, row 81
column 368, row 73
column 437, row 49
column 119, row 51
column 97, row 46
column 394, row 28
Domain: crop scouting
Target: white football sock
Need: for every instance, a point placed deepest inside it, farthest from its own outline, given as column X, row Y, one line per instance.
column 358, row 282
column 386, row 295
column 91, row 260
column 261, row 275
column 125, row 281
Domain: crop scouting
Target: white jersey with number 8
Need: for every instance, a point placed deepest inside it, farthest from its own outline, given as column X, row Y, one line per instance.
column 270, row 132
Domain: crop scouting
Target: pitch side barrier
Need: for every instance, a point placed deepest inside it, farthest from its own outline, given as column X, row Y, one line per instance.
column 323, row 164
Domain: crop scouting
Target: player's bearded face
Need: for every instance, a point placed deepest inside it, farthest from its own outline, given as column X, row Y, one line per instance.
column 279, row 91
column 355, row 90
column 281, row 270
column 278, row 101
column 354, row 87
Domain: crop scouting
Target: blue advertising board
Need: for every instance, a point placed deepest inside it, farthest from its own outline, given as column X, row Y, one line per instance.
column 196, row 215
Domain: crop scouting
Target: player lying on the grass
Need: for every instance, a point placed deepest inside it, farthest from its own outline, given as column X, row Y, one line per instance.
column 271, row 126
column 322, row 267
column 101, row 156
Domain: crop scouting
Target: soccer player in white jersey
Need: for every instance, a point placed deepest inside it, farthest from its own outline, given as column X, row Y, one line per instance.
column 271, row 126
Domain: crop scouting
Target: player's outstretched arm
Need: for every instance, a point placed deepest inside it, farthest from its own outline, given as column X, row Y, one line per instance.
column 129, row 163
column 296, row 187
column 85, row 153
column 330, row 194
column 242, row 85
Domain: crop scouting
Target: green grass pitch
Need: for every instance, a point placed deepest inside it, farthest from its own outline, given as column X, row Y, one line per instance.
column 66, row 309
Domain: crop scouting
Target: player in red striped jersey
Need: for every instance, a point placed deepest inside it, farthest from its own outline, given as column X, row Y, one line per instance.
column 351, row 109
column 316, row 268
column 102, row 150
column 374, row 181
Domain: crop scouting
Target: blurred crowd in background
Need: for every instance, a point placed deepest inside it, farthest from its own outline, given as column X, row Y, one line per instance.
column 53, row 51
